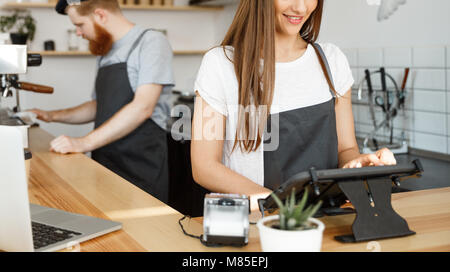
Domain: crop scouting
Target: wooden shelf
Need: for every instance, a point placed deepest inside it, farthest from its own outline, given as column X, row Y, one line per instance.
column 189, row 52
column 62, row 53
column 14, row 5
column 87, row 53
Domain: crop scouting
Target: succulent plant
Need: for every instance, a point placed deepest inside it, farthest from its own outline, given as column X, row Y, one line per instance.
column 294, row 216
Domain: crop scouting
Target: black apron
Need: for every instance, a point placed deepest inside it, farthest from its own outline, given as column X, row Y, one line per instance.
column 307, row 138
column 141, row 156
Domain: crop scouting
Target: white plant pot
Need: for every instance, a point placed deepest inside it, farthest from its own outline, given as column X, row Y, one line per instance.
column 275, row 240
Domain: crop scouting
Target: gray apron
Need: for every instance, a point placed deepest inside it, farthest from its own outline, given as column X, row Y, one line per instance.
column 307, row 138
column 141, row 156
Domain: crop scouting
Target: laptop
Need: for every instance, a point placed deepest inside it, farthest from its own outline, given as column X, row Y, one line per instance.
column 27, row 227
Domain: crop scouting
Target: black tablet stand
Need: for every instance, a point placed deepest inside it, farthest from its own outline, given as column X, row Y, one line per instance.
column 375, row 217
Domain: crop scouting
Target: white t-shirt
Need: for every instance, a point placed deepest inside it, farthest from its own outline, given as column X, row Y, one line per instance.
column 298, row 84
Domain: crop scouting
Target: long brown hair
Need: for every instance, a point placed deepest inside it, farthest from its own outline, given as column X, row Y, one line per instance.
column 252, row 36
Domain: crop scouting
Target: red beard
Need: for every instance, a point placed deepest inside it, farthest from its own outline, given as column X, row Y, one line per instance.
column 102, row 43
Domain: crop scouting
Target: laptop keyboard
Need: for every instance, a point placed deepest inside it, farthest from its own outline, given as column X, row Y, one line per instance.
column 44, row 235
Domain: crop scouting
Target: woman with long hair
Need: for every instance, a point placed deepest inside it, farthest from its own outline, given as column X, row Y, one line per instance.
column 271, row 102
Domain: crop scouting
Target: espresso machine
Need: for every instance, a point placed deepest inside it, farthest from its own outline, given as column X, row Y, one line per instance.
column 15, row 60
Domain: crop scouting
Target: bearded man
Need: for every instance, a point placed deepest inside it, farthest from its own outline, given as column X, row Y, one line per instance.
column 130, row 100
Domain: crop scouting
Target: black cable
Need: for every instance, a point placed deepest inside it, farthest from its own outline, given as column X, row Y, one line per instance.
column 185, row 233
column 201, row 236
column 194, row 236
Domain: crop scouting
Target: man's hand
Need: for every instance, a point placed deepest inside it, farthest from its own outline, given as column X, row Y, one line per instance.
column 81, row 114
column 65, row 144
column 46, row 116
column 128, row 118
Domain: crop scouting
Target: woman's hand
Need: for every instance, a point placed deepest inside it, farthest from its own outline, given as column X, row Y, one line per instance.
column 381, row 157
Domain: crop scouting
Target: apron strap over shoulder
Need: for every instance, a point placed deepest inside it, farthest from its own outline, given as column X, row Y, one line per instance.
column 135, row 44
column 321, row 55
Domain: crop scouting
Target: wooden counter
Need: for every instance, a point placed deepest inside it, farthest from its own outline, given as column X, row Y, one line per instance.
column 76, row 183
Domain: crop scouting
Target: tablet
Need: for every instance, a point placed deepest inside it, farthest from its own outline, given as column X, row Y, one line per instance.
column 323, row 184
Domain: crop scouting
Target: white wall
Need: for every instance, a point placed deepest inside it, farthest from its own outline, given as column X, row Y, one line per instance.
column 223, row 21
column 416, row 36
column 353, row 23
